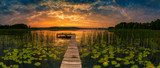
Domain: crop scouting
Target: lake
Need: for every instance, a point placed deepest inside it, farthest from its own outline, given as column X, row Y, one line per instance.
column 98, row 48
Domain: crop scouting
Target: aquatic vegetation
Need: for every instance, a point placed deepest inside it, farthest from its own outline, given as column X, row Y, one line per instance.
column 123, row 48
column 96, row 66
column 2, row 65
column 98, row 49
column 158, row 66
column 105, row 64
column 37, row 64
column 32, row 50
column 134, row 66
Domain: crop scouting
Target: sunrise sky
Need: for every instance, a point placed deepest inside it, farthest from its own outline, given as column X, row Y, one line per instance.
column 77, row 13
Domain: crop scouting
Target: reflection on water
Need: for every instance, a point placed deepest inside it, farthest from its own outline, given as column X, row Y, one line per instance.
column 98, row 48
column 30, row 49
column 78, row 33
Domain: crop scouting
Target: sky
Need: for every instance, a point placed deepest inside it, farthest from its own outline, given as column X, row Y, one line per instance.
column 77, row 13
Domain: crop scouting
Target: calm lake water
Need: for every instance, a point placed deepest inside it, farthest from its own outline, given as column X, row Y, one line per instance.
column 98, row 48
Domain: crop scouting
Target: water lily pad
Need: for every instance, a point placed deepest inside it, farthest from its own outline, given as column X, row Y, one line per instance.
column 37, row 64
column 96, row 66
column 117, row 65
column 105, row 64
column 134, row 66
column 113, row 62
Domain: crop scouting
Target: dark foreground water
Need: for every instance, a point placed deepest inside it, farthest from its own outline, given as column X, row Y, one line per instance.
column 98, row 48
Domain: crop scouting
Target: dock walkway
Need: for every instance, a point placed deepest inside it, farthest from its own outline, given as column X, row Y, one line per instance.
column 71, row 58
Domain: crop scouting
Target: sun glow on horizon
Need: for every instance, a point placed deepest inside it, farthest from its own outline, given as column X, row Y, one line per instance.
column 77, row 13
column 88, row 25
column 62, row 19
column 70, row 15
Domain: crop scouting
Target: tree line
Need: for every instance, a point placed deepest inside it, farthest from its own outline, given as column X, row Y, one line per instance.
column 154, row 25
column 15, row 26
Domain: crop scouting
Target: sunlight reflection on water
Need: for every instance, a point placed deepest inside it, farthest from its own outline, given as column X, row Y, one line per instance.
column 58, row 41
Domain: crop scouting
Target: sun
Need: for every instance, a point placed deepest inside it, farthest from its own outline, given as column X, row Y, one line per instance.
column 61, row 25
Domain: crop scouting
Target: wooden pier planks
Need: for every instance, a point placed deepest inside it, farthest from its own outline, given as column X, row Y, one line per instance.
column 71, row 58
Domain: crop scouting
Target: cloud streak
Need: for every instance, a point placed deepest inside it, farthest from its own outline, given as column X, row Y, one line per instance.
column 80, row 13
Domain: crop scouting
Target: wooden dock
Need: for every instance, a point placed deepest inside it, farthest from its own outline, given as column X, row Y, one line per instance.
column 71, row 58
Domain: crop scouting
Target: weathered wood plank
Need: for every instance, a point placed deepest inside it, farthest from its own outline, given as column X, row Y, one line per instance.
column 71, row 58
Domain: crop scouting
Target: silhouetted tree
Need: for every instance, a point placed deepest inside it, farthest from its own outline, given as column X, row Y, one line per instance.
column 155, row 25
column 19, row 26
column 4, row 26
column 122, row 25
column 15, row 26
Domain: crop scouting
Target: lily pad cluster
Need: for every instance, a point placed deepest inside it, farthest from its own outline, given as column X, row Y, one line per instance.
column 34, row 50
column 103, row 54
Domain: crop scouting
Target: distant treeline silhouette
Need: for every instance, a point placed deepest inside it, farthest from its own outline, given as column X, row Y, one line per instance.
column 15, row 26
column 155, row 25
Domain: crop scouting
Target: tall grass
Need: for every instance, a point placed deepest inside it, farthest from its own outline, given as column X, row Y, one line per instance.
column 30, row 50
column 121, row 48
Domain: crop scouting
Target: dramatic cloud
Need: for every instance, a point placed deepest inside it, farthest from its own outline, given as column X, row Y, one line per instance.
column 81, row 13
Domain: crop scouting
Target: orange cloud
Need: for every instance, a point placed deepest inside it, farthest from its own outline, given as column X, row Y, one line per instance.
column 69, row 15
